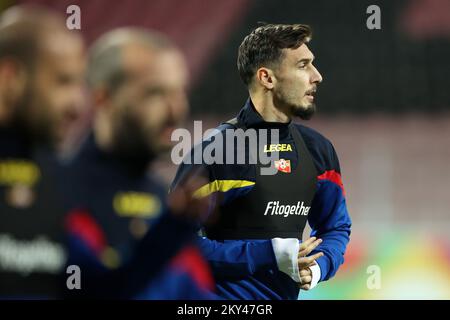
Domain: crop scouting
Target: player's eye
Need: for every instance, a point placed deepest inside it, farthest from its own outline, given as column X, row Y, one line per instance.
column 153, row 92
column 65, row 79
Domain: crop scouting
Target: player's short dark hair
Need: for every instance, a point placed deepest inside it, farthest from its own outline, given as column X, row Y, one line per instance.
column 263, row 46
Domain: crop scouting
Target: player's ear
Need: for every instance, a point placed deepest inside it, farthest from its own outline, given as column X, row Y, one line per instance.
column 266, row 78
column 101, row 97
column 13, row 77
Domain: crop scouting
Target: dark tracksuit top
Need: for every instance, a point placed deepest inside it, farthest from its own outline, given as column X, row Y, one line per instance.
column 111, row 204
column 32, row 250
column 248, row 210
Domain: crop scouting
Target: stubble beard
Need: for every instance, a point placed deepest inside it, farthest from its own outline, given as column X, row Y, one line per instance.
column 304, row 113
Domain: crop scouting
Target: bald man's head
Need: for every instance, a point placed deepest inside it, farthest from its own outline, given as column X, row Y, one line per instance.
column 107, row 65
column 42, row 66
column 23, row 30
column 138, row 79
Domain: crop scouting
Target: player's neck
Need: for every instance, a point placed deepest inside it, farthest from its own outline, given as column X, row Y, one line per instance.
column 5, row 114
column 264, row 104
column 102, row 132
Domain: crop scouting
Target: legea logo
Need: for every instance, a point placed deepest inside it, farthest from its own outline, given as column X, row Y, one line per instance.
column 274, row 208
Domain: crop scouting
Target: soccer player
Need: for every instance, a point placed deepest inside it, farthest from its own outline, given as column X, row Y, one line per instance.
column 121, row 235
column 42, row 68
column 254, row 246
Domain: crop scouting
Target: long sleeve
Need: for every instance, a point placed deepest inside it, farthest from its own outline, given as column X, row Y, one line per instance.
column 237, row 258
column 153, row 253
column 329, row 220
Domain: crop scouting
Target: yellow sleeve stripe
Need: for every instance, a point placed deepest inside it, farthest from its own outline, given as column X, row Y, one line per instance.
column 221, row 186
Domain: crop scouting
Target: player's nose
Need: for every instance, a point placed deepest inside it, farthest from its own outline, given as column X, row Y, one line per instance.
column 316, row 76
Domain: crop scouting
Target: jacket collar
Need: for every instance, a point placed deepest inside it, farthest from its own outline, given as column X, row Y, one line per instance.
column 250, row 117
column 132, row 165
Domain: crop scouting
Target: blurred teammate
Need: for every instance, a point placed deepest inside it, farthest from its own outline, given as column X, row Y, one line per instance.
column 255, row 247
column 42, row 68
column 120, row 233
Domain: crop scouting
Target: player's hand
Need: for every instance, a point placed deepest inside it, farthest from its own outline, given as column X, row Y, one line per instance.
column 305, row 278
column 184, row 205
column 305, row 261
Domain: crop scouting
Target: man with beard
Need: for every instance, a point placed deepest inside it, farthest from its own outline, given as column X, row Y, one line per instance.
column 254, row 245
column 42, row 68
column 120, row 234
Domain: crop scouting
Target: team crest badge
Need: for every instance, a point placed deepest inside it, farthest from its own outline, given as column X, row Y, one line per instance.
column 283, row 165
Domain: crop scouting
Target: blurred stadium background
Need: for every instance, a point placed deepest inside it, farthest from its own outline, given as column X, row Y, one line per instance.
column 384, row 103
